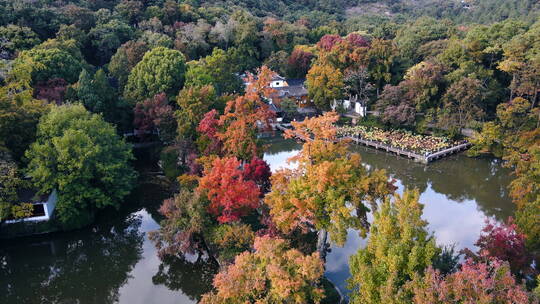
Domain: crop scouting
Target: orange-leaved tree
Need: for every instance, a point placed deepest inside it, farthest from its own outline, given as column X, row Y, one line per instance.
column 330, row 189
column 245, row 115
column 272, row 274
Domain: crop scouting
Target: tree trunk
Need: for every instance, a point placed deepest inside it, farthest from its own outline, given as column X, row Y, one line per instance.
column 322, row 236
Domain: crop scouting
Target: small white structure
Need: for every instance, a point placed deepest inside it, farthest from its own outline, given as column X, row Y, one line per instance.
column 360, row 109
column 48, row 209
column 346, row 104
column 352, row 106
column 278, row 82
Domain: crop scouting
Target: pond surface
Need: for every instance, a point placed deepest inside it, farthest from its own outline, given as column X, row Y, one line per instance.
column 459, row 193
column 114, row 262
column 111, row 262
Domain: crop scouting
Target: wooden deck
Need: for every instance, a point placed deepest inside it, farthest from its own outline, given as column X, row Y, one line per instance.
column 449, row 151
column 417, row 157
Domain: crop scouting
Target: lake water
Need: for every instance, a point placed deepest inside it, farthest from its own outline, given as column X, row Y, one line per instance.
column 114, row 262
column 459, row 193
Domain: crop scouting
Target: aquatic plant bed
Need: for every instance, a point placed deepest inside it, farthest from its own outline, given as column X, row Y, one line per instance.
column 423, row 148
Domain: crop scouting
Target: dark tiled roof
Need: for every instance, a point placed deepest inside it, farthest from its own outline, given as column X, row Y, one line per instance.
column 292, row 91
column 307, row 110
column 29, row 195
column 296, row 82
column 295, row 88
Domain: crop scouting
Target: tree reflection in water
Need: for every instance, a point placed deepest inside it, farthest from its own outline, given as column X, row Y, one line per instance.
column 91, row 265
column 96, row 264
column 193, row 276
column 458, row 193
column 459, row 178
column 76, row 267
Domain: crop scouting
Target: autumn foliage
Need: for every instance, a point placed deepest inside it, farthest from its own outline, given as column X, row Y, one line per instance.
column 273, row 273
column 194, row 102
column 320, row 138
column 325, row 84
column 235, row 132
column 155, row 114
column 244, row 115
column 327, row 42
column 504, row 242
column 515, row 136
column 181, row 230
column 329, row 187
column 52, row 91
column 299, row 62
column 208, row 129
column 357, row 40
column 258, row 171
column 230, row 193
column 489, row 282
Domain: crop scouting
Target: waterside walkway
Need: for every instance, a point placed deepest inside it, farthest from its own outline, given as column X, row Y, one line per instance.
column 427, row 158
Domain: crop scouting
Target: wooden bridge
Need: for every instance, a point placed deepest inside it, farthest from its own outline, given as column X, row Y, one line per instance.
column 427, row 158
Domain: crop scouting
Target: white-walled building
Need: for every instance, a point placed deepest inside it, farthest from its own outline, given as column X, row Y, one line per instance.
column 43, row 211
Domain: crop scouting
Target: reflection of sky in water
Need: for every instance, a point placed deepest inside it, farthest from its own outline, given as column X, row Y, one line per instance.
column 279, row 160
column 453, row 221
column 456, row 192
column 140, row 289
column 450, row 221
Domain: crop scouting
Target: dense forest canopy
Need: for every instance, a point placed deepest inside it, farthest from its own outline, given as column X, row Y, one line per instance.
column 45, row 17
column 475, row 11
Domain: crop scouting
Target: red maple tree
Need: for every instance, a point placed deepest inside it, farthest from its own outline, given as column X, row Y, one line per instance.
column 357, row 40
column 208, row 127
column 53, row 90
column 230, row 193
column 504, row 242
column 258, row 171
column 328, row 41
column 299, row 63
column 155, row 114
